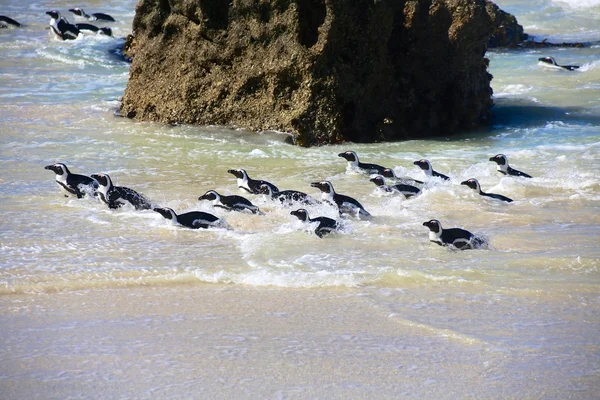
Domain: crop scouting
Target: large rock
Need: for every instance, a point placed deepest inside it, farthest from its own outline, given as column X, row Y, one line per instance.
column 324, row 70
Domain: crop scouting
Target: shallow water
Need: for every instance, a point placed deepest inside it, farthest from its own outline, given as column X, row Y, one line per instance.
column 533, row 290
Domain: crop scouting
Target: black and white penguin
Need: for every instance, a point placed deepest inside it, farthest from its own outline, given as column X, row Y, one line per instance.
column 62, row 28
column 390, row 174
column 230, row 203
column 474, row 184
column 345, row 204
column 192, row 219
column 425, row 165
column 325, row 225
column 287, row 197
column 116, row 196
column 457, row 237
column 355, row 164
column 94, row 29
column 5, row 22
column 504, row 168
column 406, row 190
column 552, row 61
column 73, row 184
column 93, row 17
column 248, row 184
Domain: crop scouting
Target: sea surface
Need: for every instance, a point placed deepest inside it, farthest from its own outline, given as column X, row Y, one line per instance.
column 533, row 293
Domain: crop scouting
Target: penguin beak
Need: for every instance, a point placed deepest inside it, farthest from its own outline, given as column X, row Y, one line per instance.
column 316, row 184
column 416, row 163
column 492, row 158
column 48, row 167
column 464, row 183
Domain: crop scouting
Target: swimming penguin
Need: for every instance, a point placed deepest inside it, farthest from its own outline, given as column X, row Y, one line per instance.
column 425, row 165
column 93, row 28
column 116, row 196
column 93, row 17
column 248, row 184
column 459, row 238
column 325, row 225
column 552, row 61
column 406, row 190
column 74, row 184
column 355, row 164
column 504, row 168
column 287, row 197
column 389, row 173
column 230, row 203
column 62, row 28
column 474, row 184
column 5, row 22
column 345, row 204
column 192, row 219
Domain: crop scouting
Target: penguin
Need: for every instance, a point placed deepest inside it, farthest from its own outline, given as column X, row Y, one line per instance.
column 425, row 165
column 93, row 28
column 230, row 203
column 406, row 190
column 248, row 184
column 116, row 196
column 389, row 173
column 552, row 61
column 345, row 204
column 5, row 22
column 504, row 168
column 459, row 238
column 474, row 184
column 192, row 219
column 355, row 164
column 73, row 184
column 93, row 17
column 287, row 197
column 325, row 225
column 61, row 27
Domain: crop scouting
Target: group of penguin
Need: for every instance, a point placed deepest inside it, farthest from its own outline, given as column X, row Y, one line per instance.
column 114, row 197
column 65, row 30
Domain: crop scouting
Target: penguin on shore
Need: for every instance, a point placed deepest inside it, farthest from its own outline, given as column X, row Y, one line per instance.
column 406, row 190
column 192, row 219
column 325, row 224
column 425, row 165
column 248, row 184
column 117, row 196
column 506, row 169
column 91, row 17
column 355, row 164
column 73, row 184
column 474, row 184
column 230, row 203
column 457, row 237
column 287, row 197
column 6, row 22
column 390, row 174
column 62, row 28
column 94, row 29
column 552, row 61
column 345, row 204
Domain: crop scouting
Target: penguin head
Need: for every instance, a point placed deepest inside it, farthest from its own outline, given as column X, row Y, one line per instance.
column 103, row 180
column 53, row 14
column 265, row 189
column 105, row 30
column 324, row 186
column 301, row 214
column 58, row 168
column 424, row 164
column 77, row 11
column 389, row 173
column 350, row 156
column 548, row 60
column 378, row 180
column 210, row 195
column 168, row 213
column 500, row 159
column 472, row 183
column 434, row 226
column 238, row 173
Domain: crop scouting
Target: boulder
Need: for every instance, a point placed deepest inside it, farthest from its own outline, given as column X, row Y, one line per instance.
column 325, row 71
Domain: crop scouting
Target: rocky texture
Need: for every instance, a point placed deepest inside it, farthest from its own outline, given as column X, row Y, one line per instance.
column 507, row 31
column 324, row 70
